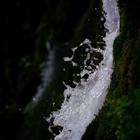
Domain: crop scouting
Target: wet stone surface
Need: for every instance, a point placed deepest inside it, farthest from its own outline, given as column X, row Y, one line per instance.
column 83, row 61
column 56, row 129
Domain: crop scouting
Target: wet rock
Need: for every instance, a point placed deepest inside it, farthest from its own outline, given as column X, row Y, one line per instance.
column 85, row 76
column 56, row 129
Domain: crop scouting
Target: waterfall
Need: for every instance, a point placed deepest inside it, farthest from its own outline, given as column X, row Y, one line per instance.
column 86, row 99
column 46, row 77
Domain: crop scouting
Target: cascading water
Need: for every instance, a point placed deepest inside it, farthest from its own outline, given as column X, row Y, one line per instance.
column 87, row 98
column 46, row 77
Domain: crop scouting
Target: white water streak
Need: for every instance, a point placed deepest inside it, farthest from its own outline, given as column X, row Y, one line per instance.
column 86, row 99
column 46, row 77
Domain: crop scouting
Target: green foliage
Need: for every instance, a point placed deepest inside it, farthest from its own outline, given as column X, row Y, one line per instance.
column 119, row 119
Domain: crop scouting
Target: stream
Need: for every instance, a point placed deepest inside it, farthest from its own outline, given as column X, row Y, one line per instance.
column 82, row 103
column 74, row 83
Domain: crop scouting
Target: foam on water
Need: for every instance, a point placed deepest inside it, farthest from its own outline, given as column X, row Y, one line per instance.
column 87, row 98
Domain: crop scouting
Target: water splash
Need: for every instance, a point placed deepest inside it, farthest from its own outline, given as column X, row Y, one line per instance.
column 87, row 98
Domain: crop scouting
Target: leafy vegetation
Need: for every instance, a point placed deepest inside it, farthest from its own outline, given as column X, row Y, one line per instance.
column 119, row 119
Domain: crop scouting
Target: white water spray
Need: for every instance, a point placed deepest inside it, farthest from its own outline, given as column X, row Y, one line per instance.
column 86, row 100
column 46, row 78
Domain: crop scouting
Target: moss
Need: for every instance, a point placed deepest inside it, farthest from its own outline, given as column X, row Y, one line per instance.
column 119, row 117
